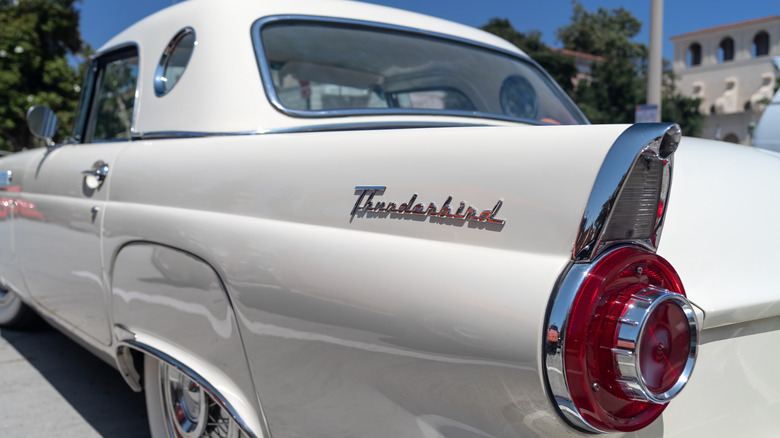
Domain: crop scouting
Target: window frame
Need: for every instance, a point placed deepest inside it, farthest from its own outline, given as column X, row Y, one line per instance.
column 84, row 128
column 276, row 102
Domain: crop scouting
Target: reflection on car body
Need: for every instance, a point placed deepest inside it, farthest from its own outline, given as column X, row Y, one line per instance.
column 326, row 218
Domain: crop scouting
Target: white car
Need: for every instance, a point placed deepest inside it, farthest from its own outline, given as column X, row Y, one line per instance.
column 767, row 135
column 332, row 219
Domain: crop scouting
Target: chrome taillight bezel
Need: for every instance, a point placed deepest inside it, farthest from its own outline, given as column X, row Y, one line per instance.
column 626, row 171
column 560, row 315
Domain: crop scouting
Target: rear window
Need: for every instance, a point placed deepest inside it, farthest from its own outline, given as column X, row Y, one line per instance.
column 317, row 68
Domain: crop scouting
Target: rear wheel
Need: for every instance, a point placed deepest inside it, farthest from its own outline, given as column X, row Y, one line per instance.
column 179, row 407
column 13, row 312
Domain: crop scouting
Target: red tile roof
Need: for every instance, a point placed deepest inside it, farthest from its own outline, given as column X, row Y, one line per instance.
column 579, row 54
column 727, row 26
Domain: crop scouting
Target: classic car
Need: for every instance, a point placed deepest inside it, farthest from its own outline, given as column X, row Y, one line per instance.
column 333, row 219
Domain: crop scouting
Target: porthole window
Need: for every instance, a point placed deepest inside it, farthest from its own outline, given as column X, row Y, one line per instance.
column 174, row 61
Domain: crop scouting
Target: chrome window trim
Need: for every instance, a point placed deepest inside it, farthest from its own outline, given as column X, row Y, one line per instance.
column 96, row 61
column 273, row 98
column 131, row 342
column 660, row 139
column 162, row 64
column 361, row 126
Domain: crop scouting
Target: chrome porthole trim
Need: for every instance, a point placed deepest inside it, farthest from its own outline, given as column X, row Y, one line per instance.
column 162, row 86
column 638, row 144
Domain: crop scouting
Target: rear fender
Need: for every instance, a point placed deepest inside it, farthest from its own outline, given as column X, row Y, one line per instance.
column 173, row 306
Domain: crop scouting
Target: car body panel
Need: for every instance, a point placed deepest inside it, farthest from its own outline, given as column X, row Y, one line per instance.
column 732, row 189
column 67, row 225
column 232, row 241
column 767, row 135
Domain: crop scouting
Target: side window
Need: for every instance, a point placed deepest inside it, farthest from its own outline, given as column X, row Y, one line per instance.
column 108, row 96
column 115, row 99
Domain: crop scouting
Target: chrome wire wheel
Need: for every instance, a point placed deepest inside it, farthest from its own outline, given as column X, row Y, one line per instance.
column 180, row 408
column 186, row 403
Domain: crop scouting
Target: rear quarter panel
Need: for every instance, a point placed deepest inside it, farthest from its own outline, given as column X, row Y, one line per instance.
column 434, row 323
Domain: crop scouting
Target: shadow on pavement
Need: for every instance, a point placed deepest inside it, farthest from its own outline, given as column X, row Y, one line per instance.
column 92, row 387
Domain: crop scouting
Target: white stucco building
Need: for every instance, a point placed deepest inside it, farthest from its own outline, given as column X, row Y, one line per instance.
column 732, row 68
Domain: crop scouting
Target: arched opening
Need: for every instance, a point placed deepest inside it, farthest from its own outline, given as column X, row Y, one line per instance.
column 731, row 138
column 761, row 44
column 693, row 56
column 726, row 50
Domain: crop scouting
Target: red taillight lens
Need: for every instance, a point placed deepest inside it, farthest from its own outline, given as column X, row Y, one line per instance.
column 630, row 341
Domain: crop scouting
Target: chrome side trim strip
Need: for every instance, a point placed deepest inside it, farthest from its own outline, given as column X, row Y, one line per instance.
column 361, row 126
column 658, row 139
column 273, row 98
column 213, row 392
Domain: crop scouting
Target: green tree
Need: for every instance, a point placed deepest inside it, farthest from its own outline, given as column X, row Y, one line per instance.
column 36, row 37
column 614, row 92
column 680, row 109
column 619, row 83
column 560, row 67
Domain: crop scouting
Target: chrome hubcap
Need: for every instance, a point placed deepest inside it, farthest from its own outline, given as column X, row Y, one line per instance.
column 189, row 411
column 186, row 404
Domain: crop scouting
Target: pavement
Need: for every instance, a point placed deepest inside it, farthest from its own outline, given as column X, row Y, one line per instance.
column 51, row 386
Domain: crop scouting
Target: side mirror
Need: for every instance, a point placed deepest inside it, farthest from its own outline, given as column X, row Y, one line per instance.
column 42, row 123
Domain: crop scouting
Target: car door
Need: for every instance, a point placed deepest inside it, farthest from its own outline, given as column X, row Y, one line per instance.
column 59, row 249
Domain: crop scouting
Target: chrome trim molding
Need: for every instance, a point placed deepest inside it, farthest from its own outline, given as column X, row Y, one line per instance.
column 628, row 352
column 194, row 376
column 558, row 316
column 273, row 98
column 556, row 325
column 651, row 141
column 158, row 135
column 357, row 126
column 159, row 79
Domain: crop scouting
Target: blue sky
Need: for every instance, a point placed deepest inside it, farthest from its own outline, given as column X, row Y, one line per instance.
column 101, row 19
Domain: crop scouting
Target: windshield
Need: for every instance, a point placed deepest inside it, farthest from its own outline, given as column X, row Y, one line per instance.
column 316, row 68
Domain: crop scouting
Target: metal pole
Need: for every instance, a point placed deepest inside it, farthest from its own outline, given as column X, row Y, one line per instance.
column 654, row 62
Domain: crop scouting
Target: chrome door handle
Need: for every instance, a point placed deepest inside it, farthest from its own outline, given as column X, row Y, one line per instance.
column 94, row 177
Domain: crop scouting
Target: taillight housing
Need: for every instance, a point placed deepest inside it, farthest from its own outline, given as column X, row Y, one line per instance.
column 621, row 341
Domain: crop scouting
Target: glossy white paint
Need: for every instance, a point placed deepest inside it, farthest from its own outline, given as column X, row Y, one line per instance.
column 312, row 285
column 238, row 257
column 721, row 231
column 175, row 303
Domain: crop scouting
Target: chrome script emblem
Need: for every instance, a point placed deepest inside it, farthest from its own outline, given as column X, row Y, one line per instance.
column 365, row 203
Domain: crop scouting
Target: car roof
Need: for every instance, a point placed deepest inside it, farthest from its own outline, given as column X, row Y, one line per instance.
column 222, row 91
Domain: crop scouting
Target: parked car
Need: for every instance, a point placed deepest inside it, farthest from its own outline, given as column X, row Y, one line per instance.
column 767, row 134
column 333, row 219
